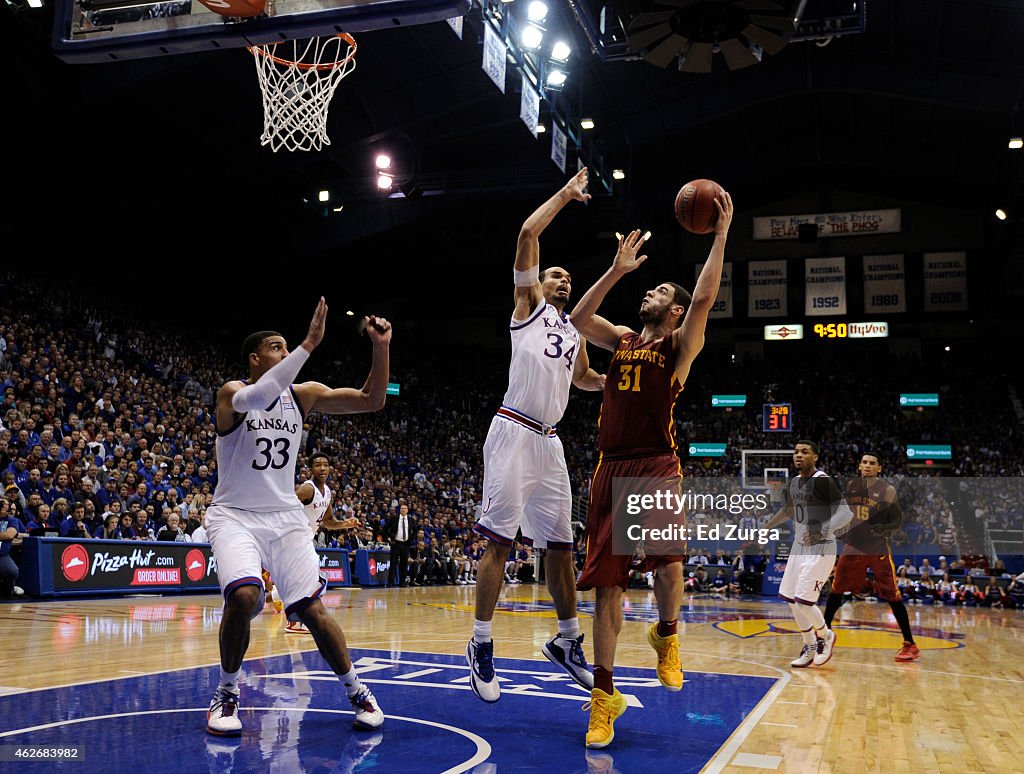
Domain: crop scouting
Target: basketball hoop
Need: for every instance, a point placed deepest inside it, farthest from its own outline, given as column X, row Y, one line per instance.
column 297, row 91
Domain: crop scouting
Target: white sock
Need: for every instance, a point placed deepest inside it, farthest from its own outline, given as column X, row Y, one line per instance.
column 351, row 682
column 569, row 628
column 802, row 621
column 816, row 619
column 229, row 680
column 482, row 631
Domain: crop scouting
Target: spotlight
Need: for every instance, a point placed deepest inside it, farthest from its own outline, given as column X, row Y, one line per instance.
column 647, row 235
column 560, row 51
column 1001, row 214
column 556, row 78
column 586, row 123
column 537, row 11
column 541, row 128
column 947, row 349
column 339, row 208
column 1016, row 143
column 324, row 196
column 35, row 3
column 383, row 161
column 618, row 174
column 350, row 313
column 384, row 182
column 531, row 37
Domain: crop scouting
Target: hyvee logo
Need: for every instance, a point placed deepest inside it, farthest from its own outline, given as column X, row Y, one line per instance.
column 195, row 565
column 74, row 563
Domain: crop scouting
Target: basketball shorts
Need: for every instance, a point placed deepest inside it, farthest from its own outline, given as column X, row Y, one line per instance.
column 805, row 577
column 245, row 542
column 526, row 486
column 851, row 571
column 603, row 567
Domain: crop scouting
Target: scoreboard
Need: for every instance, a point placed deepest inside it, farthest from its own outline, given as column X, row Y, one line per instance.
column 778, row 418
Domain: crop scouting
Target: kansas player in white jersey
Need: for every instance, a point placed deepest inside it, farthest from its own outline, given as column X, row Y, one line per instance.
column 257, row 521
column 526, row 483
column 316, row 498
column 815, row 504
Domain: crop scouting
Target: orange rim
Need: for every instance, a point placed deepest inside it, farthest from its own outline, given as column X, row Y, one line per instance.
column 260, row 51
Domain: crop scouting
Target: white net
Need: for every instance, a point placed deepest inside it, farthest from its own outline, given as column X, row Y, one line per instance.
column 298, row 79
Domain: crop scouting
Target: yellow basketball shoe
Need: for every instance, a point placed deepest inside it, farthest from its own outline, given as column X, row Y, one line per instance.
column 670, row 671
column 604, row 711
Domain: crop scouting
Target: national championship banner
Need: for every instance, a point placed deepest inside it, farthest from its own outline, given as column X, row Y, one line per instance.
column 766, row 283
column 945, row 282
column 723, row 301
column 494, row 56
column 885, row 284
column 529, row 106
column 559, row 144
column 830, row 224
column 824, row 286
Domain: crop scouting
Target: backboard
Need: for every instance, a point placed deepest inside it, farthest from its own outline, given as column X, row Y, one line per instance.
column 114, row 30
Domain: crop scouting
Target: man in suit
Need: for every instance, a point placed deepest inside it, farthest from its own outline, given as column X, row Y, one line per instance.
column 401, row 534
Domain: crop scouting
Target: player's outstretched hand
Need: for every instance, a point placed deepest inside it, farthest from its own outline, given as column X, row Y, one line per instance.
column 378, row 329
column 316, row 326
column 626, row 259
column 724, row 205
column 577, row 186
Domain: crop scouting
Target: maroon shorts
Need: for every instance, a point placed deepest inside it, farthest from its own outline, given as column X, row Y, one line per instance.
column 851, row 570
column 602, row 566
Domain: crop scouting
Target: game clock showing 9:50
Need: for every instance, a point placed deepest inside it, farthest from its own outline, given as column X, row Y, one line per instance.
column 778, row 418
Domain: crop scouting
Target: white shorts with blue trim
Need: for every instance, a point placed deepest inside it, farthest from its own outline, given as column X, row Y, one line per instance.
column 805, row 577
column 526, row 486
column 245, row 542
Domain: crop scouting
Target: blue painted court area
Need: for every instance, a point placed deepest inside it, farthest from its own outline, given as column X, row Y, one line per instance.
column 297, row 720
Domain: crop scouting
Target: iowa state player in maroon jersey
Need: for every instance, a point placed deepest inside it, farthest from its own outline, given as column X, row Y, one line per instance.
column 636, row 441
column 876, row 514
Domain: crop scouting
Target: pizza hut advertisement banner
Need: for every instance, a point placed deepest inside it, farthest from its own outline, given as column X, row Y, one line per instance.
column 108, row 565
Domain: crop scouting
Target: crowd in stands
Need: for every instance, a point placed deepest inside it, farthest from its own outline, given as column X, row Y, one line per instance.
column 107, row 431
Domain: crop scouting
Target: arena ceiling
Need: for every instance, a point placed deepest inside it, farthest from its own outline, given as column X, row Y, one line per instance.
column 157, row 162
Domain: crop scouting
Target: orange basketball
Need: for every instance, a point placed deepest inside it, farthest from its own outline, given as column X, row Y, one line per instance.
column 695, row 206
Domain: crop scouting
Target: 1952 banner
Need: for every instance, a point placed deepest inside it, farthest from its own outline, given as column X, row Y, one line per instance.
column 830, row 224
column 766, row 283
column 945, row 282
column 825, row 286
column 723, row 301
column 885, row 284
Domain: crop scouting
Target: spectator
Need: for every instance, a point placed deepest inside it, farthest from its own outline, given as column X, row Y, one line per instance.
column 10, row 527
column 74, row 526
column 925, row 570
column 173, row 531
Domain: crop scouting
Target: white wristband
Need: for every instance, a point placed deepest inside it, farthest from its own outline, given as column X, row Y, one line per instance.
column 524, row 279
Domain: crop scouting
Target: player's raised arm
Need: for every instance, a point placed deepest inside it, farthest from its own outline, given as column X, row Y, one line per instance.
column 583, row 376
column 689, row 337
column 348, row 400
column 585, row 317
column 526, row 274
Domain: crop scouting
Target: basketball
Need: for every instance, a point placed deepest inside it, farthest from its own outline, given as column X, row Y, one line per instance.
column 695, row 206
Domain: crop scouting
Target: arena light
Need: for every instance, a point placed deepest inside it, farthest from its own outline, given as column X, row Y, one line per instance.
column 323, row 196
column 556, row 78
column 560, row 52
column 383, row 161
column 586, row 123
column 1001, row 214
column 531, row 37
column 947, row 349
column 350, row 313
column 618, row 174
column 384, row 182
column 537, row 11
column 35, row 3
column 647, row 235
column 541, row 128
column 1016, row 143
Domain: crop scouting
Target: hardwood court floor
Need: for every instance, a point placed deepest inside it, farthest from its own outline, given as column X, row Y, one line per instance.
column 956, row 709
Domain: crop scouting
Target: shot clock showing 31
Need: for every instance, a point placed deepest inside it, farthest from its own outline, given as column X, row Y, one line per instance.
column 778, row 418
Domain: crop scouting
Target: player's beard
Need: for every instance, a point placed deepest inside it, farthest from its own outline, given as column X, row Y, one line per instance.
column 652, row 316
